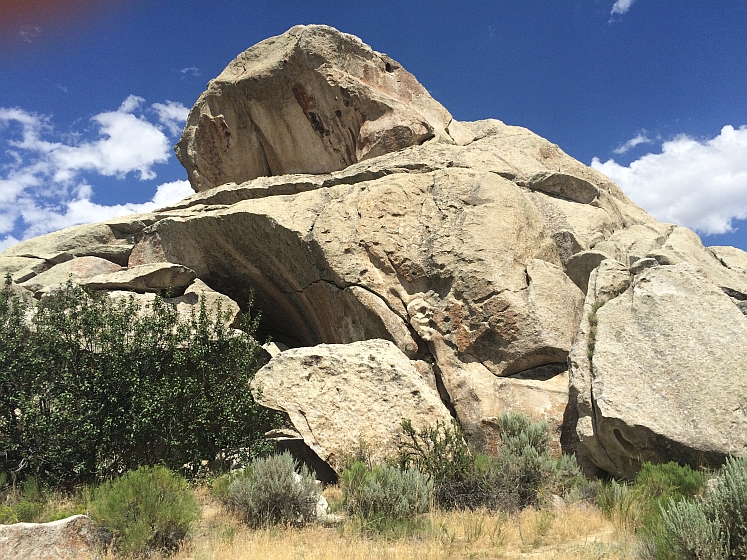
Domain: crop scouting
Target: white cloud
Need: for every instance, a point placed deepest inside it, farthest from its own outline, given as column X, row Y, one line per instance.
column 7, row 242
column 82, row 210
column 131, row 103
column 640, row 138
column 41, row 184
column 621, row 6
column 127, row 143
column 698, row 184
column 172, row 115
column 190, row 70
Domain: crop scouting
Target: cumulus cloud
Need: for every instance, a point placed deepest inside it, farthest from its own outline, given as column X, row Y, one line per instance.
column 81, row 210
column 640, row 138
column 42, row 183
column 701, row 184
column 621, row 6
column 172, row 115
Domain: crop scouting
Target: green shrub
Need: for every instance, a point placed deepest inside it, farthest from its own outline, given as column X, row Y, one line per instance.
column 148, row 509
column 385, row 497
column 28, row 511
column 655, row 486
column 513, row 479
column 91, row 387
column 669, row 480
column 274, row 490
column 714, row 525
column 7, row 515
column 636, row 508
column 219, row 487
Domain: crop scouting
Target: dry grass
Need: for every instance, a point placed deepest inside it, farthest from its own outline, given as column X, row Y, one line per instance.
column 571, row 532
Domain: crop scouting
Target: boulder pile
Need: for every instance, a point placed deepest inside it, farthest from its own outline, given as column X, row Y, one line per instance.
column 445, row 267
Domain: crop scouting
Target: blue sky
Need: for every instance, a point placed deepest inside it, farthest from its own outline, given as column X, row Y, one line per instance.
column 93, row 93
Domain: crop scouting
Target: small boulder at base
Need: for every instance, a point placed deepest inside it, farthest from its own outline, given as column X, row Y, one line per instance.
column 73, row 538
column 339, row 396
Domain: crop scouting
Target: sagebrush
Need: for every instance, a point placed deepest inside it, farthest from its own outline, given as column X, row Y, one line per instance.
column 382, row 497
column 273, row 490
column 510, row 480
column 714, row 525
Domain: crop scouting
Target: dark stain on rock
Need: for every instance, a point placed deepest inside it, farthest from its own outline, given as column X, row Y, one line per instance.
column 307, row 103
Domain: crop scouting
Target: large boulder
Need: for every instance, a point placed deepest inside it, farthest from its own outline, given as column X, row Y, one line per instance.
column 453, row 264
column 312, row 100
column 344, row 397
column 658, row 370
column 73, row 538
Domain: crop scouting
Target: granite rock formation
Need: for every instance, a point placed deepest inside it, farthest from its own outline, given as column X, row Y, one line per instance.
column 469, row 246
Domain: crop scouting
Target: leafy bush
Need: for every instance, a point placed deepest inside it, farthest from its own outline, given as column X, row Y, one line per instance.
column 274, row 490
column 91, row 387
column 147, row 509
column 382, row 497
column 509, row 481
column 713, row 526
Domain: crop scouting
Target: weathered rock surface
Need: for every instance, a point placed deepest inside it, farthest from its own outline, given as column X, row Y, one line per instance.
column 153, row 277
column 452, row 262
column 312, row 100
column 89, row 240
column 21, row 269
column 77, row 269
column 470, row 246
column 731, row 257
column 74, row 538
column 188, row 303
column 342, row 396
column 661, row 377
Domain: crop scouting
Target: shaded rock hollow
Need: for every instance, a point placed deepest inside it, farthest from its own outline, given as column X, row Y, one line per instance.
column 469, row 246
